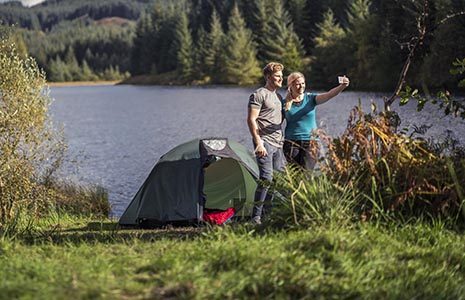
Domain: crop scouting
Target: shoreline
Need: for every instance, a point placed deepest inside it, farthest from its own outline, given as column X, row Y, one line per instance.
column 82, row 83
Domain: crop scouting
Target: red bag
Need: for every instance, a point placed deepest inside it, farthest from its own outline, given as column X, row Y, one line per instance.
column 218, row 217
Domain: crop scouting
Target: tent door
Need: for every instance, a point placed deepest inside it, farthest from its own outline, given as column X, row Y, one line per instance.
column 225, row 185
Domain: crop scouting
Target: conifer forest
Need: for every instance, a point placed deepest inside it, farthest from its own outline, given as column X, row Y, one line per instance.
column 229, row 41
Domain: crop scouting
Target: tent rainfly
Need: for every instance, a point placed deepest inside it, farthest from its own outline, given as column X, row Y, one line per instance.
column 214, row 173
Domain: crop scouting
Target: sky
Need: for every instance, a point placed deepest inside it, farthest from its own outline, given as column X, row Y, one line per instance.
column 26, row 2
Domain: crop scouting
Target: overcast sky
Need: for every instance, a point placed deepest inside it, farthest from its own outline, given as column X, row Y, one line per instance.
column 26, row 2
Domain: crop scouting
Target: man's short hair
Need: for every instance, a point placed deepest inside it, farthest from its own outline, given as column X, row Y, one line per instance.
column 271, row 68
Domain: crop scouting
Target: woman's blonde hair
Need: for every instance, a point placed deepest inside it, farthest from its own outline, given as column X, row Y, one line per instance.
column 290, row 79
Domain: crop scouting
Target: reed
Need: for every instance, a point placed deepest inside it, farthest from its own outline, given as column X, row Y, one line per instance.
column 87, row 200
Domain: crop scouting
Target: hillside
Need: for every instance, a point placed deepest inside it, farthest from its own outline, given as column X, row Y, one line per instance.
column 50, row 13
column 77, row 40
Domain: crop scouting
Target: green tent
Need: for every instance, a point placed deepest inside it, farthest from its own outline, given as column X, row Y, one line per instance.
column 214, row 173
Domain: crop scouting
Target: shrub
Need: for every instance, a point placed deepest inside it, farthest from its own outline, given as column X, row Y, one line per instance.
column 400, row 174
column 30, row 147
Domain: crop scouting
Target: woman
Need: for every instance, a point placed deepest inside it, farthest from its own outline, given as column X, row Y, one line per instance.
column 300, row 147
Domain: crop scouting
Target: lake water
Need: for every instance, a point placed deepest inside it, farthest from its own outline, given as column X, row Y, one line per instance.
column 117, row 133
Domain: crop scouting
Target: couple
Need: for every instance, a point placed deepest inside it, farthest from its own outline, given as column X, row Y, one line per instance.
column 265, row 117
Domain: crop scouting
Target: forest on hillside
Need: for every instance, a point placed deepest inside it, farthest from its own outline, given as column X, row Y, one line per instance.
column 228, row 41
column 77, row 39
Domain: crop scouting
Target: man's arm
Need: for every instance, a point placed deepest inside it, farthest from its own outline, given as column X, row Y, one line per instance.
column 253, row 128
column 322, row 98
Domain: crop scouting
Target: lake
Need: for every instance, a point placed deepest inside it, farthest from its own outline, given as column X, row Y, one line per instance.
column 116, row 134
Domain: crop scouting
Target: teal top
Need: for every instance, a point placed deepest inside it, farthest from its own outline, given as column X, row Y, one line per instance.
column 301, row 119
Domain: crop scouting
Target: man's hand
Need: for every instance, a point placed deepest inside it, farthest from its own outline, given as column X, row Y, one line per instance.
column 260, row 151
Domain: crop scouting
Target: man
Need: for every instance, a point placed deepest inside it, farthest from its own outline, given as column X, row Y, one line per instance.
column 264, row 120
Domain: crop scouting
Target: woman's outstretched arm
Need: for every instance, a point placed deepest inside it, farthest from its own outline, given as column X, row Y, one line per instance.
column 322, row 98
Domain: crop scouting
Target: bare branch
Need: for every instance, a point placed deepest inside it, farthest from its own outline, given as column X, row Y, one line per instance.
column 447, row 18
column 413, row 45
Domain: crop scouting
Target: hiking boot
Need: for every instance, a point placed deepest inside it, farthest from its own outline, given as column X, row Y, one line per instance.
column 256, row 221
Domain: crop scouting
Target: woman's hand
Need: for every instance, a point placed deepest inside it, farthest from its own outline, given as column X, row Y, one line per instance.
column 323, row 97
column 289, row 96
column 343, row 80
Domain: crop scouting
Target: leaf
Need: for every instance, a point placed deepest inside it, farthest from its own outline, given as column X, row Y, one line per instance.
column 404, row 100
column 421, row 104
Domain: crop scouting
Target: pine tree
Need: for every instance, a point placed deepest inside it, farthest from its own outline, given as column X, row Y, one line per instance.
column 20, row 45
column 200, row 50
column 214, row 40
column 86, row 73
column 165, row 19
column 312, row 14
column 359, row 11
column 183, row 44
column 330, row 52
column 239, row 64
column 362, row 46
column 89, row 56
column 72, row 65
column 56, row 70
column 141, row 55
column 296, row 9
column 282, row 44
column 260, row 28
column 109, row 73
column 329, row 31
column 59, row 71
column 35, row 24
column 376, row 57
column 208, row 48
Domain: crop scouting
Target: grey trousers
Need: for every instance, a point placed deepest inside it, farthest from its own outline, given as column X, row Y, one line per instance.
column 274, row 161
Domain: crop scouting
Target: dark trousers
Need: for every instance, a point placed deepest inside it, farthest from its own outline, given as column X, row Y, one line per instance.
column 301, row 153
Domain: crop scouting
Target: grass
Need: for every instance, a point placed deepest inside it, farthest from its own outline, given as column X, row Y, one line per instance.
column 80, row 199
column 316, row 245
column 81, row 258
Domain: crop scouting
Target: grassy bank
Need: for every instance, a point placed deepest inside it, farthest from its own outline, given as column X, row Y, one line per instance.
column 84, row 259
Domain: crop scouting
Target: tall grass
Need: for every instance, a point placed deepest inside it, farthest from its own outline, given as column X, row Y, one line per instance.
column 308, row 200
column 65, row 200
column 89, row 200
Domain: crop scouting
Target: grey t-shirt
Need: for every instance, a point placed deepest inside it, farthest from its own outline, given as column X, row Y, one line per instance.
column 270, row 115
